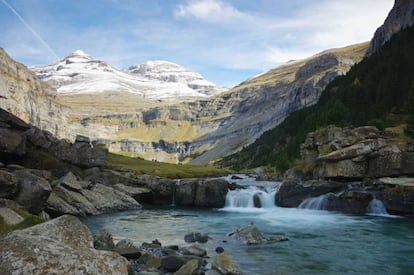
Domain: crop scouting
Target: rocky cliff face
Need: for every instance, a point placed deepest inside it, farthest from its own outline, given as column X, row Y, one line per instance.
column 207, row 129
column 23, row 95
column 401, row 16
column 197, row 130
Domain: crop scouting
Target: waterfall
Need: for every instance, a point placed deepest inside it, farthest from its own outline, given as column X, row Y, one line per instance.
column 315, row 203
column 174, row 188
column 251, row 197
column 376, row 207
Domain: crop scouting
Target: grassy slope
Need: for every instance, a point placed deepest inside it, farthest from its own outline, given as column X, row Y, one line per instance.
column 167, row 170
column 378, row 91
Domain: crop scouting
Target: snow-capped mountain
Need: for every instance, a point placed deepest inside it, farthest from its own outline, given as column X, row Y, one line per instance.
column 171, row 72
column 80, row 73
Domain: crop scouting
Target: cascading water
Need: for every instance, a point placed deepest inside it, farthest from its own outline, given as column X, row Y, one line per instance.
column 376, row 207
column 315, row 203
column 251, row 197
column 174, row 188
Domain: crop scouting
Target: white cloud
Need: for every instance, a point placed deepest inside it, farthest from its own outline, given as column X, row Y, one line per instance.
column 208, row 10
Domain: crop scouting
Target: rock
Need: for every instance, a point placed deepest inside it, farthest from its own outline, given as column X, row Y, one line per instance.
column 71, row 198
column 162, row 190
column 138, row 193
column 352, row 202
column 292, row 193
column 249, row 234
column 82, row 139
column 33, row 192
column 172, row 263
column 194, row 250
column 59, row 246
column 196, row 237
column 63, row 201
column 151, row 262
column 397, row 194
column 235, row 177
column 103, row 241
column 202, row 192
column 211, row 193
column 15, row 167
column 225, row 265
column 127, row 249
column 12, row 142
column 106, row 199
column 401, row 16
column 45, row 216
column 85, row 156
column 9, row 216
column 256, row 200
column 219, row 249
column 70, row 182
column 8, row 184
column 190, row 268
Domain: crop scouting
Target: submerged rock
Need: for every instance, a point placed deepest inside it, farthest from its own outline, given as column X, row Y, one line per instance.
column 196, row 237
column 249, row 234
column 59, row 246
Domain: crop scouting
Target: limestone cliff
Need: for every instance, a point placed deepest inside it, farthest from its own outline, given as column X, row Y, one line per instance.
column 198, row 131
column 207, row 129
column 22, row 94
column 401, row 16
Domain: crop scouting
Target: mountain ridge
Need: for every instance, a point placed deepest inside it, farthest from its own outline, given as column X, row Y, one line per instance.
column 80, row 73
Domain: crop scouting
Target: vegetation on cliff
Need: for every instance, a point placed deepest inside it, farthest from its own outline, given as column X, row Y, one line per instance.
column 377, row 91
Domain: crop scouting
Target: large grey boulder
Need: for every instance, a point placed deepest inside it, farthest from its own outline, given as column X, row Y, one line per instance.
column 33, row 191
column 201, row 192
column 292, row 193
column 72, row 196
column 60, row 246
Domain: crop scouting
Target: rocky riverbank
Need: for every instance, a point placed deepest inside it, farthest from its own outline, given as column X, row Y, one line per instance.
column 353, row 166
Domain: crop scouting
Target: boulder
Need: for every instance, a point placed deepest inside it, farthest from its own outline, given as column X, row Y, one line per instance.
column 224, row 264
column 103, row 241
column 292, row 193
column 65, row 201
column 194, row 250
column 249, row 234
column 190, row 268
column 127, row 249
column 8, row 184
column 84, row 156
column 10, row 217
column 106, row 199
column 59, row 246
column 201, row 192
column 352, row 202
column 172, row 263
column 397, row 194
column 211, row 193
column 12, row 142
column 196, row 237
column 138, row 193
column 33, row 191
column 161, row 189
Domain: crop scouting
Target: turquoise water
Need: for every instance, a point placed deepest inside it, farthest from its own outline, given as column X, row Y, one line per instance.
column 320, row 242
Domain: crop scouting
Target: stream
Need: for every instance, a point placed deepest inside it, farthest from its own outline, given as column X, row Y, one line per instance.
column 320, row 242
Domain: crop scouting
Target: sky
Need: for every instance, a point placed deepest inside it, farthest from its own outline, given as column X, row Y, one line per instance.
column 227, row 41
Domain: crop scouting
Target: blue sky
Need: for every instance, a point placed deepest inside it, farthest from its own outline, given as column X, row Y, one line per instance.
column 227, row 41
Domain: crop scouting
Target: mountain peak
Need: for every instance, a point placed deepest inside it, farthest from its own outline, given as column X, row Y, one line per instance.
column 79, row 54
